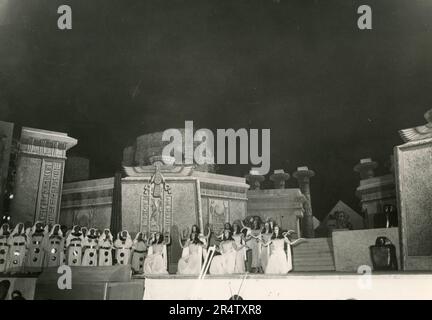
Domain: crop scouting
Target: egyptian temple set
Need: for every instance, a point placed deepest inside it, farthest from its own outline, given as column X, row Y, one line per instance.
column 153, row 194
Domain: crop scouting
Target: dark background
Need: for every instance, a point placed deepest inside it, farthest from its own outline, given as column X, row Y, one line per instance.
column 330, row 93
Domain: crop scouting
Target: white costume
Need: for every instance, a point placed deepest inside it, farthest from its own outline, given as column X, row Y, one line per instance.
column 74, row 244
column 105, row 249
column 156, row 260
column 123, row 248
column 4, row 247
column 254, row 243
column 17, row 249
column 191, row 260
column 139, row 250
column 90, row 245
column 240, row 253
column 226, row 261
column 265, row 250
column 36, row 244
column 54, row 248
column 279, row 261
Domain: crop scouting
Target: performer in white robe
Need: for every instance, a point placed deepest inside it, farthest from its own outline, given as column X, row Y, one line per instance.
column 139, row 251
column 90, row 246
column 105, row 248
column 193, row 254
column 74, row 244
column 17, row 249
column 36, row 244
column 54, row 249
column 253, row 242
column 280, row 262
column 4, row 247
column 123, row 245
column 195, row 230
column 225, row 262
column 266, row 235
column 241, row 248
column 156, row 261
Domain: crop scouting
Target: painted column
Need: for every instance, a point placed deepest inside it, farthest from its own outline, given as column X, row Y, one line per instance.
column 39, row 175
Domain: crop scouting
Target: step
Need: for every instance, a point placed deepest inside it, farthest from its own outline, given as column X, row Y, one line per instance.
column 312, row 247
column 314, row 255
column 323, row 250
column 299, row 247
column 325, row 266
column 312, row 260
column 314, row 269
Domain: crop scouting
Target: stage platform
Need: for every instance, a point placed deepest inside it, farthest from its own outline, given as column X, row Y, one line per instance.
column 294, row 286
column 116, row 283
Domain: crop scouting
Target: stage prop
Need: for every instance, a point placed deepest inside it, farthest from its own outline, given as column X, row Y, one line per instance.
column 159, row 196
column 351, row 248
column 95, row 283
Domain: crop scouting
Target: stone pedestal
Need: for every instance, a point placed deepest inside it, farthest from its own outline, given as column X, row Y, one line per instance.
column 413, row 164
column 279, row 177
column 303, row 175
column 374, row 193
column 39, row 176
column 366, row 168
column 254, row 179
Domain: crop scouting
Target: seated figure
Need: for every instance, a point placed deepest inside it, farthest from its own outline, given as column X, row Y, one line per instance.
column 156, row 260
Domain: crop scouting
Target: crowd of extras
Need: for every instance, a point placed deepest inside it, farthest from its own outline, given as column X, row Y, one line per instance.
column 253, row 245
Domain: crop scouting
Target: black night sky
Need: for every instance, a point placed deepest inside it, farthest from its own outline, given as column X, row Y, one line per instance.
column 330, row 93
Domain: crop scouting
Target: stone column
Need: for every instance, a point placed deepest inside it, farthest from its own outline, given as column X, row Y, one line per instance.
column 279, row 177
column 39, row 175
column 413, row 163
column 6, row 132
column 254, row 179
column 303, row 175
column 366, row 168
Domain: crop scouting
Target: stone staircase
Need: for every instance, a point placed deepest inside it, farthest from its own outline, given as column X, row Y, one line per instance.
column 314, row 255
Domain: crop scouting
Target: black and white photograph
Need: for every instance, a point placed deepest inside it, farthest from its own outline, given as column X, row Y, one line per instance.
column 215, row 150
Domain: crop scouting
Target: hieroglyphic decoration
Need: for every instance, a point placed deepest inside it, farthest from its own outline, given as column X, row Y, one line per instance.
column 41, row 147
column 49, row 191
column 156, row 205
column 218, row 214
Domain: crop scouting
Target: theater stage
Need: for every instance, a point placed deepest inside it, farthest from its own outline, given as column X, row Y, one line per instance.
column 115, row 283
column 294, row 286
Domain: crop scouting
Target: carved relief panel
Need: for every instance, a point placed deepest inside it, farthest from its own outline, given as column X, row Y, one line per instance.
column 156, row 205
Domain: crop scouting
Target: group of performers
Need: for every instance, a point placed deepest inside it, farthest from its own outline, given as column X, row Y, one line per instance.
column 238, row 243
column 242, row 244
column 30, row 249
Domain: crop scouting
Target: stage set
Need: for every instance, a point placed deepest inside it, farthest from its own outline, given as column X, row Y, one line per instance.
column 384, row 253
